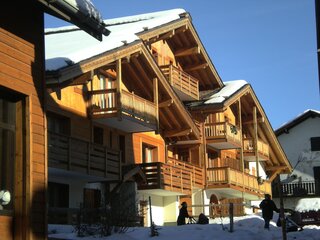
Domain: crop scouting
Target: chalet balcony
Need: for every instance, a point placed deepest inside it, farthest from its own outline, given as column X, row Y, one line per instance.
column 84, row 157
column 137, row 114
column 249, row 150
column 227, row 179
column 173, row 176
column 186, row 86
column 222, row 135
column 297, row 189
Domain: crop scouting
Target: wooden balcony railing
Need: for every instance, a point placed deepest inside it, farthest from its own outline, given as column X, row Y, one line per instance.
column 263, row 148
column 297, row 189
column 182, row 81
column 223, row 130
column 104, row 103
column 227, row 176
column 77, row 155
column 172, row 176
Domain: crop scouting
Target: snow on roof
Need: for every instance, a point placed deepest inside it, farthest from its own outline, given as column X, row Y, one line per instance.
column 69, row 45
column 86, row 7
column 308, row 204
column 299, row 118
column 226, row 91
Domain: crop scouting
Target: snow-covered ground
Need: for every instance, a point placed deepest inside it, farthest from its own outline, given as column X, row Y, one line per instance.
column 247, row 228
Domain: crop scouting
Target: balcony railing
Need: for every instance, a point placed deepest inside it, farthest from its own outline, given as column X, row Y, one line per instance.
column 263, row 148
column 228, row 177
column 223, row 131
column 297, row 189
column 182, row 81
column 173, row 176
column 104, row 103
column 77, row 155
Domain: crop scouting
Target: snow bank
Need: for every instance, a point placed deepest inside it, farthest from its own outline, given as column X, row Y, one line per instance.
column 308, row 204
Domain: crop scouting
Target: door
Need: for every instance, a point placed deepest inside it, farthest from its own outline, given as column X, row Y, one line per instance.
column 316, row 174
column 11, row 164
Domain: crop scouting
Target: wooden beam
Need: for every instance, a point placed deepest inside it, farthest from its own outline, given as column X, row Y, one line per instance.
column 259, row 120
column 82, row 79
column 156, row 100
column 108, row 73
column 273, row 168
column 178, row 133
column 119, row 88
column 188, row 142
column 187, row 52
column 273, row 175
column 195, row 67
column 166, row 103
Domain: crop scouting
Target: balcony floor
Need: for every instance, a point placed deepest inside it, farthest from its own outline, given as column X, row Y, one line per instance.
column 233, row 191
column 127, row 124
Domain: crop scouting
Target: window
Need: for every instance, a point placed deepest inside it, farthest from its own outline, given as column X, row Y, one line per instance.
column 58, row 124
column 58, row 195
column 98, row 135
column 315, row 143
column 149, row 153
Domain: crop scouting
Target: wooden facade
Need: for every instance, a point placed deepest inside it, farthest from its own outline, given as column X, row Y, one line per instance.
column 153, row 92
column 22, row 83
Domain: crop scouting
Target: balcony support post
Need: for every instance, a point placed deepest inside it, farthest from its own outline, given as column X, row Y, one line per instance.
column 106, row 162
column 89, row 156
column 69, row 154
column 119, row 90
column 241, row 148
column 156, row 101
column 255, row 126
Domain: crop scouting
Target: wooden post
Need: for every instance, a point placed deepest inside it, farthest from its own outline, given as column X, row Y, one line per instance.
column 241, row 149
column 282, row 217
column 156, row 102
column 89, row 158
column 231, row 216
column 106, row 162
column 151, row 221
column 119, row 89
column 255, row 139
column 69, row 154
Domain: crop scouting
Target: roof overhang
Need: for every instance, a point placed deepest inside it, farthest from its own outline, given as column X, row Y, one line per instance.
column 70, row 12
column 202, row 67
column 184, row 127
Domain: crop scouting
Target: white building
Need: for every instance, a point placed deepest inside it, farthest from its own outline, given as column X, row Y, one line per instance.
column 300, row 139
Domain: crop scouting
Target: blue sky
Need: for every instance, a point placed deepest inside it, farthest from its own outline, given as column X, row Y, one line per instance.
column 269, row 43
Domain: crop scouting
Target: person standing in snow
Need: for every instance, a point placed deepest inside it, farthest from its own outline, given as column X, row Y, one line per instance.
column 267, row 206
column 183, row 214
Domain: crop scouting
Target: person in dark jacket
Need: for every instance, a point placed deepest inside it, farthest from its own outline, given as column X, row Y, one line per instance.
column 268, row 206
column 183, row 214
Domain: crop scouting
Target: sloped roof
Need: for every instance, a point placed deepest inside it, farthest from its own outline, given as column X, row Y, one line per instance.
column 220, row 95
column 297, row 120
column 69, row 45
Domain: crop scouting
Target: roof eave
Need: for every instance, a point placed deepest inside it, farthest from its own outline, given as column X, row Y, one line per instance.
column 64, row 11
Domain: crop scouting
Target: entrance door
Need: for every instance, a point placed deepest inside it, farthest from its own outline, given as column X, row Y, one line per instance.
column 11, row 170
column 316, row 174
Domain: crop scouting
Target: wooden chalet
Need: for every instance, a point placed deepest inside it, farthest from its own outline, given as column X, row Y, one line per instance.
column 147, row 103
column 23, row 165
